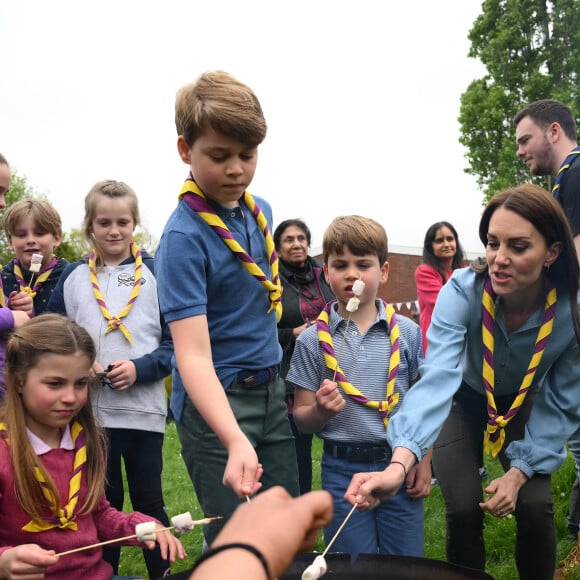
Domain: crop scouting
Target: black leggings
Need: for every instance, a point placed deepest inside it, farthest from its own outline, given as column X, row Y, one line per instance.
column 456, row 459
column 142, row 453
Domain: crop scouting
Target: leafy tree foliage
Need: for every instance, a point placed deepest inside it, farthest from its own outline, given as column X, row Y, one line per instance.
column 531, row 49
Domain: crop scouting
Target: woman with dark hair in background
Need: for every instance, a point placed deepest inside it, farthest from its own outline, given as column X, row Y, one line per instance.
column 442, row 253
column 305, row 294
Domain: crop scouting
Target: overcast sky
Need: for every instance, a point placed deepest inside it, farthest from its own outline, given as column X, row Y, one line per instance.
column 361, row 100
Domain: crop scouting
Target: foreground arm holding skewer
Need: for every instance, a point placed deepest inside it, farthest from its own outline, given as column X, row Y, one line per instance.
column 287, row 526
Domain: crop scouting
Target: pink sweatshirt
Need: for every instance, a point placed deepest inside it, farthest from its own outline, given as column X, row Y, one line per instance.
column 104, row 523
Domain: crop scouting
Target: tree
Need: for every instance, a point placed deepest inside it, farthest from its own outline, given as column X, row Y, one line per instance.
column 19, row 189
column 531, row 49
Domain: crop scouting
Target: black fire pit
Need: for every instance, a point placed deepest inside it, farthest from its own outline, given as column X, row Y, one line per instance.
column 376, row 567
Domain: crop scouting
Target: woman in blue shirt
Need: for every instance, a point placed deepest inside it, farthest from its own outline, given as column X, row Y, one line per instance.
column 502, row 374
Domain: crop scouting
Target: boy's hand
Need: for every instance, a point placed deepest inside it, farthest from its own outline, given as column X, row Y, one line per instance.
column 26, row 561
column 243, row 472
column 329, row 399
column 21, row 301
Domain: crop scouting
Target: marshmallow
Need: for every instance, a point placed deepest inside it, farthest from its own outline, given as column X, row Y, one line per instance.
column 146, row 531
column 352, row 304
column 182, row 522
column 358, row 287
column 36, row 263
column 315, row 570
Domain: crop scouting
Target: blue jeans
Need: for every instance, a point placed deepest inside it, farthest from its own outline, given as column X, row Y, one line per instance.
column 394, row 527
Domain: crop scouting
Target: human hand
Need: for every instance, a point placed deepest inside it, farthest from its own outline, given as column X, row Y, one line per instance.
column 504, row 492
column 243, row 472
column 370, row 488
column 20, row 318
column 21, row 301
column 329, row 400
column 275, row 524
column 419, row 480
column 122, row 375
column 26, row 561
column 170, row 546
column 296, row 332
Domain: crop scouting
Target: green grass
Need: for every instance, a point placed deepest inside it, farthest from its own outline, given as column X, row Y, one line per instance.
column 499, row 533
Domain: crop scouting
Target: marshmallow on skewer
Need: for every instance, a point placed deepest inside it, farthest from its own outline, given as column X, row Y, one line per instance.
column 315, row 570
column 182, row 522
column 36, row 263
column 145, row 532
column 358, row 287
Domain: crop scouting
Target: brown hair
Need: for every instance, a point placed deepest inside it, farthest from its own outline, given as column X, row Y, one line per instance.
column 45, row 216
column 47, row 334
column 359, row 234
column 536, row 205
column 219, row 101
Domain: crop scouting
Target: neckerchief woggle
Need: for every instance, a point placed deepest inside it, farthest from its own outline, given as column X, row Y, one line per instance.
column 43, row 276
column 116, row 322
column 495, row 430
column 384, row 407
column 62, row 517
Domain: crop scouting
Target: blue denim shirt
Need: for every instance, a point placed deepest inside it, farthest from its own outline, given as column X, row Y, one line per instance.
column 455, row 354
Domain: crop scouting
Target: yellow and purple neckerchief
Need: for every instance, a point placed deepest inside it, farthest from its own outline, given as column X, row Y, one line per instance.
column 384, row 407
column 563, row 168
column 116, row 322
column 43, row 276
column 197, row 201
column 495, row 430
column 62, row 517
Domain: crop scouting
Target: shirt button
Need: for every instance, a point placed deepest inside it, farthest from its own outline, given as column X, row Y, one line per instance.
column 361, row 347
column 233, row 214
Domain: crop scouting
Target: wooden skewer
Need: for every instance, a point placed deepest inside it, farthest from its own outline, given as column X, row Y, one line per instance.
column 195, row 523
column 339, row 529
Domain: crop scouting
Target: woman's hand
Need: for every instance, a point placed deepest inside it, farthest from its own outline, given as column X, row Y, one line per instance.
column 505, row 491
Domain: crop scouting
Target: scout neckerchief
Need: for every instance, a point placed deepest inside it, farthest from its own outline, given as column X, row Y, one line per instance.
column 495, row 430
column 197, row 201
column 563, row 168
column 43, row 276
column 62, row 517
column 115, row 322
column 384, row 407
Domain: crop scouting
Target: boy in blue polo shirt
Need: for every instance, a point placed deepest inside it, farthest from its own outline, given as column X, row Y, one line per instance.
column 220, row 292
column 351, row 372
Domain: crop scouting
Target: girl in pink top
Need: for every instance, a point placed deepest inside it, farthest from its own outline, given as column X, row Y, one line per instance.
column 52, row 457
column 442, row 253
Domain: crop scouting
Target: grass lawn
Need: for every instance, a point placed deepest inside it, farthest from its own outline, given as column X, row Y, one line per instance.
column 499, row 533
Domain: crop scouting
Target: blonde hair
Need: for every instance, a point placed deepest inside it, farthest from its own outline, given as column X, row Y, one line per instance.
column 111, row 189
column 47, row 334
column 45, row 216
column 219, row 101
column 359, row 234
